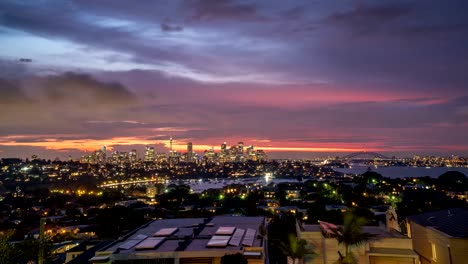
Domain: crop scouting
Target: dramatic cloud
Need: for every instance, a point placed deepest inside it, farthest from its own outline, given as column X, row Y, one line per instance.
column 284, row 76
column 169, row 28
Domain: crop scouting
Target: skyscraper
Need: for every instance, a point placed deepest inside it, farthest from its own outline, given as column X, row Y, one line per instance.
column 189, row 152
column 240, row 148
column 149, row 154
column 132, row 156
column 223, row 148
column 189, row 147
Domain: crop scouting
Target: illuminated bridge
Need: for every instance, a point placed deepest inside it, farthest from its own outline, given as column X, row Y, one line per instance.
column 132, row 182
column 364, row 155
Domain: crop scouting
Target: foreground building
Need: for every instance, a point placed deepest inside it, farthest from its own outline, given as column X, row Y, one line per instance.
column 387, row 246
column 190, row 240
column 441, row 236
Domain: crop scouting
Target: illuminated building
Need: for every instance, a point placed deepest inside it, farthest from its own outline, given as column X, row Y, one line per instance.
column 161, row 158
column 260, row 155
column 189, row 152
column 151, row 191
column 149, row 154
column 102, row 157
column 223, row 148
column 132, row 156
column 209, row 155
column 240, row 148
column 170, row 147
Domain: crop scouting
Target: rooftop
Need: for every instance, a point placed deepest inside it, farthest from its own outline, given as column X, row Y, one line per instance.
column 379, row 232
column 192, row 234
column 452, row 222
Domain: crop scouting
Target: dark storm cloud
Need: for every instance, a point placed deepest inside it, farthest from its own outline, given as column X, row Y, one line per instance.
column 212, row 10
column 61, row 103
column 390, row 72
column 364, row 19
column 410, row 46
column 11, row 93
column 82, row 88
column 63, row 21
column 170, row 28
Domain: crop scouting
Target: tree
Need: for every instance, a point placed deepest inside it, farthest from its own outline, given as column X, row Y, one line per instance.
column 351, row 235
column 7, row 250
column 296, row 248
column 453, row 181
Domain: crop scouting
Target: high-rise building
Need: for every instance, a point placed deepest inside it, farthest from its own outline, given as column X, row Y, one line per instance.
column 190, row 152
column 240, row 148
column 149, row 154
column 170, row 146
column 189, row 147
column 132, row 156
column 103, row 154
column 223, row 148
column 250, row 153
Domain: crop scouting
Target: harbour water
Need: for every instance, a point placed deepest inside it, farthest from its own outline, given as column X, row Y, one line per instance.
column 401, row 172
column 199, row 186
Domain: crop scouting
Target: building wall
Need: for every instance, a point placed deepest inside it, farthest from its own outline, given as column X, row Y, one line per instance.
column 389, row 260
column 390, row 242
column 327, row 249
column 459, row 250
column 315, row 240
column 427, row 239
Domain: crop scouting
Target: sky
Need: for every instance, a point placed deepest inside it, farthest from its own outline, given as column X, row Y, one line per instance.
column 295, row 78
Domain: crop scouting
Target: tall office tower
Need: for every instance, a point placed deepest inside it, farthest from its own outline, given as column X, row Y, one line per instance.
column 240, row 148
column 115, row 157
column 103, row 158
column 260, row 155
column 132, row 156
column 170, row 143
column 189, row 147
column 149, row 154
column 250, row 153
column 189, row 152
column 223, row 148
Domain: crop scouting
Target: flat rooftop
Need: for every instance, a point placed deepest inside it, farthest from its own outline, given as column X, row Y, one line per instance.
column 192, row 234
column 452, row 222
column 379, row 232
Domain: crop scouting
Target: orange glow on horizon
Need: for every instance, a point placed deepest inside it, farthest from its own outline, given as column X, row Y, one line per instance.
column 90, row 145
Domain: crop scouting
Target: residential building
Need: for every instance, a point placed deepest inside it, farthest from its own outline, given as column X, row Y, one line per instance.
column 387, row 246
column 190, row 240
column 441, row 236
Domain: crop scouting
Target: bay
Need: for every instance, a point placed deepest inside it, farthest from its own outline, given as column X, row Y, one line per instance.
column 401, row 172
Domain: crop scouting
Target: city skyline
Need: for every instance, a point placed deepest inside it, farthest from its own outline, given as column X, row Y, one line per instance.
column 295, row 79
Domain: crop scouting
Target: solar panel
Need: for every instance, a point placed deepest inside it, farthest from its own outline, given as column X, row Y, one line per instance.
column 150, row 243
column 225, row 230
column 237, row 237
column 139, row 237
column 249, row 237
column 218, row 241
column 132, row 242
column 164, row 232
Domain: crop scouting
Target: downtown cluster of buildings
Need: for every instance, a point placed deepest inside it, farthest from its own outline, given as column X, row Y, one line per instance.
column 236, row 153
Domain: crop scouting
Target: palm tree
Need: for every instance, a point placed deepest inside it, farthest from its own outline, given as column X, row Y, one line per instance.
column 351, row 235
column 296, row 248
